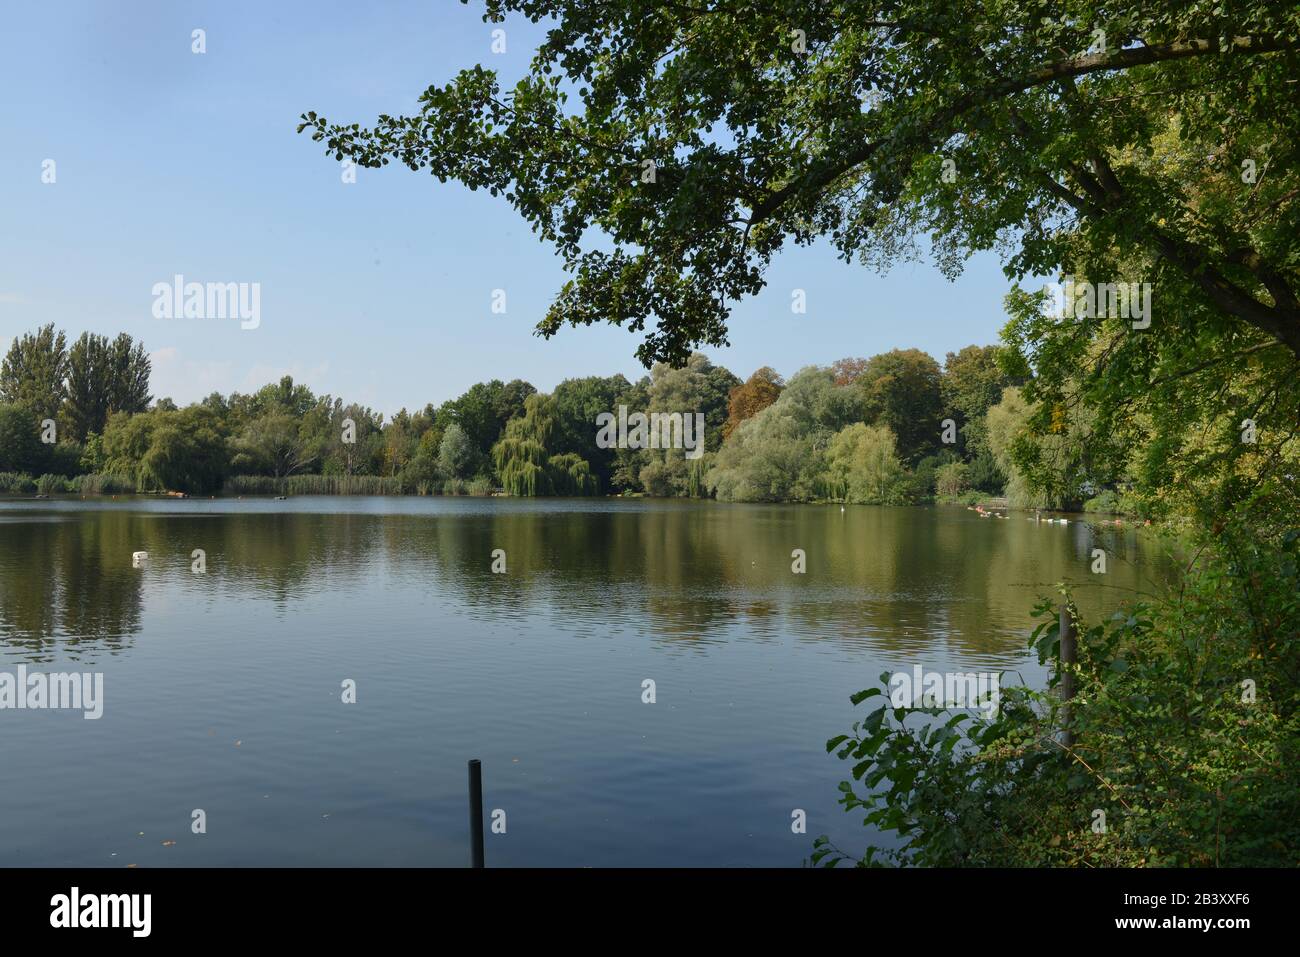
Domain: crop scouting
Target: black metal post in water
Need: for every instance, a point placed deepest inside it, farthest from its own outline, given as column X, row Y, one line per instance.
column 475, row 813
column 1068, row 657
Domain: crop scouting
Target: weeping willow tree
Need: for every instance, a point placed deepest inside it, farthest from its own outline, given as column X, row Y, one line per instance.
column 696, row 487
column 521, row 463
column 571, row 475
column 862, row 465
column 527, row 468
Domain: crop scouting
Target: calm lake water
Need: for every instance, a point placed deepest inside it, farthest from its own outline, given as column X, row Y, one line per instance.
column 222, row 691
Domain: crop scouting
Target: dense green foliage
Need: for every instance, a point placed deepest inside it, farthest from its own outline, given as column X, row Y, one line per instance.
column 34, row 371
column 1187, row 740
column 823, row 435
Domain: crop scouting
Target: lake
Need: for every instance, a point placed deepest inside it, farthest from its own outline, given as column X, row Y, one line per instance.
column 223, row 691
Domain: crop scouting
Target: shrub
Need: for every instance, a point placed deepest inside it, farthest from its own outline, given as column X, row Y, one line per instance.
column 65, row 458
column 950, row 480
column 983, row 474
column 421, row 475
column 1107, row 502
column 51, row 484
column 927, row 472
column 16, row 483
column 1189, row 763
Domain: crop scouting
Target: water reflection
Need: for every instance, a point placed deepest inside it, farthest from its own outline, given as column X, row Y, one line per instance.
column 694, row 574
column 64, row 588
column 224, row 687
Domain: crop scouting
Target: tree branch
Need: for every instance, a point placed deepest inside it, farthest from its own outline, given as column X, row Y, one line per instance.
column 825, row 173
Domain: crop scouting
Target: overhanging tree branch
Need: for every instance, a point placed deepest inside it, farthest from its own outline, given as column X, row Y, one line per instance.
column 940, row 127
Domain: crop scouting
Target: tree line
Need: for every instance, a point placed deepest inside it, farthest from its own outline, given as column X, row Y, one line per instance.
column 895, row 428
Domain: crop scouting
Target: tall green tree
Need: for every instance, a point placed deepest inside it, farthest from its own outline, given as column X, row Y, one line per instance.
column 352, row 439
column 901, row 391
column 104, row 376
column 972, row 384
column 20, row 443
column 577, row 404
column 87, row 405
column 187, row 451
column 457, row 455
column 129, row 370
column 862, row 465
column 524, row 459
column 699, row 386
column 275, row 443
column 483, row 410
column 32, row 374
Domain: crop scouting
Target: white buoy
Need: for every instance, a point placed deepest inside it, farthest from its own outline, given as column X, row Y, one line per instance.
column 138, row 557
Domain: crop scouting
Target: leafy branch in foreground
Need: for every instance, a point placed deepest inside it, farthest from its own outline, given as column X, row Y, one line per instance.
column 669, row 151
column 1187, row 740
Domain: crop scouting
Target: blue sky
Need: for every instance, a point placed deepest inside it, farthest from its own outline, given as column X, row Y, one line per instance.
column 380, row 291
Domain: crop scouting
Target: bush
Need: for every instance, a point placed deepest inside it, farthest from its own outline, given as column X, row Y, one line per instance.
column 950, row 480
column 927, row 471
column 909, row 488
column 983, row 474
column 51, row 484
column 343, row 485
column 1115, row 503
column 65, row 458
column 21, row 449
column 1106, row 503
column 252, row 485
column 1187, row 725
column 16, row 483
column 421, row 475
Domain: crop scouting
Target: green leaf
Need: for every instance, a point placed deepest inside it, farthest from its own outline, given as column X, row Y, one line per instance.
column 862, row 696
